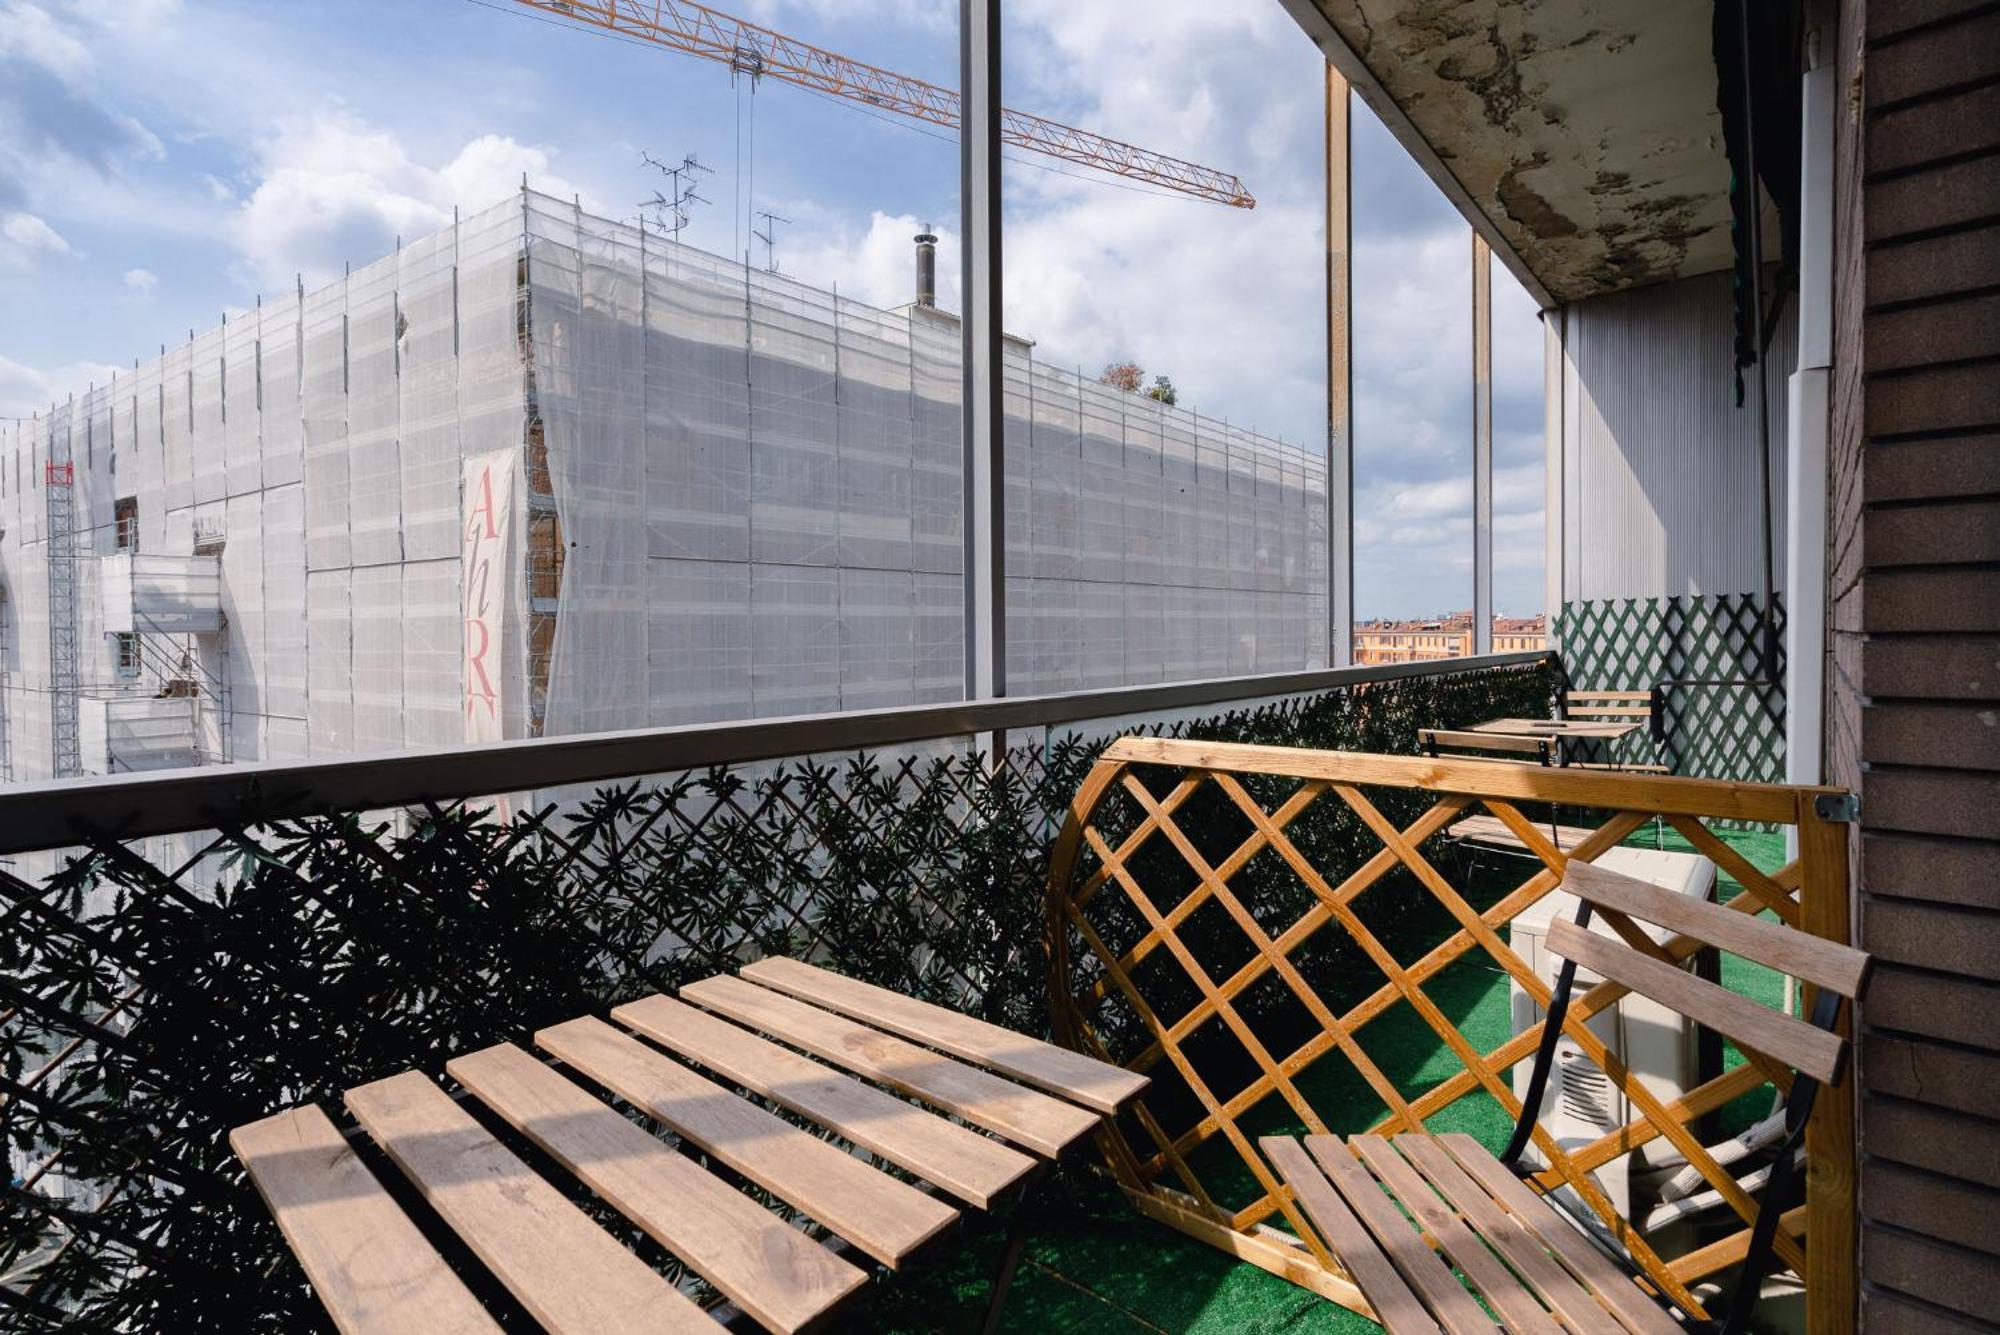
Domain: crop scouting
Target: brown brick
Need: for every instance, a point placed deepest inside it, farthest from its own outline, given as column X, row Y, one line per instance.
column 1935, row 667
column 1934, row 266
column 1933, row 936
column 1963, row 122
column 1935, row 59
column 1962, row 598
column 1955, row 802
column 1950, row 736
column 1951, row 330
column 1933, row 1138
column 1963, row 192
column 1936, row 1206
column 1887, row 20
column 1955, row 534
column 1940, row 871
column 1887, row 1313
column 1964, row 1281
column 1944, row 1077
column 1912, row 470
column 1958, row 1010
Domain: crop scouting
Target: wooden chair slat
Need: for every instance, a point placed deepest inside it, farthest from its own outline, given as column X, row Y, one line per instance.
column 1492, row 830
column 1612, row 1286
column 1096, row 1085
column 1793, row 1042
column 1042, row 1123
column 1557, row 1288
column 886, row 1218
column 1574, row 696
column 568, row 1272
column 1486, row 741
column 1398, row 1309
column 1807, row 957
column 772, row 1271
column 1503, row 1291
column 975, row 1168
column 369, row 1265
column 1425, row 1270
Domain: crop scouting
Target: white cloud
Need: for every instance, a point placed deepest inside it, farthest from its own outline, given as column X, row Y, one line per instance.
column 334, row 188
column 33, row 33
column 25, row 240
column 142, row 281
column 26, row 390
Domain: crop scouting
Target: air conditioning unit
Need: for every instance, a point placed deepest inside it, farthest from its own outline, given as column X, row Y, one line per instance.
column 1656, row 1043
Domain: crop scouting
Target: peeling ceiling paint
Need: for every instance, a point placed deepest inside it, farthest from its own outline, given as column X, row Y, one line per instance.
column 1586, row 131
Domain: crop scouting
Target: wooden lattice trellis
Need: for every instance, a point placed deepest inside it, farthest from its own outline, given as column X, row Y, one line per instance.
column 1130, row 878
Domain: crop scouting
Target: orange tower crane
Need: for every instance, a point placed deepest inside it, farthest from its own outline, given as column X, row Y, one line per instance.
column 682, row 25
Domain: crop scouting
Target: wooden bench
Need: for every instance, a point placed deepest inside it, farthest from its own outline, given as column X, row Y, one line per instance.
column 1534, row 1269
column 842, row 1054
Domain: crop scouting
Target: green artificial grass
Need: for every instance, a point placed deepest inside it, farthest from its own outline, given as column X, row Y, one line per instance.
column 1094, row 1265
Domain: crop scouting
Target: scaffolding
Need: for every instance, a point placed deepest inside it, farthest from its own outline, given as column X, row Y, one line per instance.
column 726, row 494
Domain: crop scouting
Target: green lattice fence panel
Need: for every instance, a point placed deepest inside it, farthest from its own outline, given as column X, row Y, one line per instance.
column 1720, row 732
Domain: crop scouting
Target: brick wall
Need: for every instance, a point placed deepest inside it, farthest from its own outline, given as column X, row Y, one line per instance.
column 1913, row 715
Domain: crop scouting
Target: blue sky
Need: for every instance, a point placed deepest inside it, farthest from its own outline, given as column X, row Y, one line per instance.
column 163, row 161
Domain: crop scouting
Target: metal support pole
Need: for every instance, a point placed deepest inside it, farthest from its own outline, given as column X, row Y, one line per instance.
column 984, row 425
column 1339, row 375
column 1482, row 446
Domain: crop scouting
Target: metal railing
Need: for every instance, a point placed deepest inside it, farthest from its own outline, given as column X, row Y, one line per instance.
column 213, row 945
column 44, row 814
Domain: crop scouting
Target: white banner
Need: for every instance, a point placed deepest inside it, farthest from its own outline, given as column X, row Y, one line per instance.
column 486, row 534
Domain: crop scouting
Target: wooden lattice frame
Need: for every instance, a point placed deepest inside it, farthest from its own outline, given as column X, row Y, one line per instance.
column 1816, row 1240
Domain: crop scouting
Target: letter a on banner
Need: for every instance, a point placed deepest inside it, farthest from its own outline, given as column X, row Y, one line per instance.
column 486, row 589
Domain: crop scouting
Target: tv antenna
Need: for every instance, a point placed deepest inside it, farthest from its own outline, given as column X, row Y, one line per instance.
column 672, row 210
column 769, row 236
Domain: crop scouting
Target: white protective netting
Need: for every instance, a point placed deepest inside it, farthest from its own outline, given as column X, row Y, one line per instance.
column 744, row 495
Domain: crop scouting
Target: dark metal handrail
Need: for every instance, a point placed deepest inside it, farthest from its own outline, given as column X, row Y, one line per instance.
column 129, row 806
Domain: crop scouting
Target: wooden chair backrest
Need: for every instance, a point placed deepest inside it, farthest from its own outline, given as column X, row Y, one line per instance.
column 1608, row 706
column 1808, row 1048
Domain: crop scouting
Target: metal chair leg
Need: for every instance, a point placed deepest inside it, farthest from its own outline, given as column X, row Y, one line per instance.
column 1010, row 1257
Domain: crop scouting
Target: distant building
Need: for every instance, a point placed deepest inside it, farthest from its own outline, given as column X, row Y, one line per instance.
column 542, row 474
column 1418, row 641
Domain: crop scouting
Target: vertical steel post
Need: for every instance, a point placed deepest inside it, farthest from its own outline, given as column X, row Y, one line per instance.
column 1339, row 376
column 1482, row 446
column 984, row 401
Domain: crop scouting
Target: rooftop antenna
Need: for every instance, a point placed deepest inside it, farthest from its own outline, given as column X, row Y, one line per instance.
column 769, row 236
column 672, row 210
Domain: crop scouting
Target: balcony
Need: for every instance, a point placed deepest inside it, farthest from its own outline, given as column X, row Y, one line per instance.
column 170, row 595
column 187, row 952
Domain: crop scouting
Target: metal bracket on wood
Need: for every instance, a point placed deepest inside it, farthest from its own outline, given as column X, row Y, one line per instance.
column 1840, row 807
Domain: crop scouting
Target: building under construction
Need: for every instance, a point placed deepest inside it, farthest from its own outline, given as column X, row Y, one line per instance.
column 542, row 473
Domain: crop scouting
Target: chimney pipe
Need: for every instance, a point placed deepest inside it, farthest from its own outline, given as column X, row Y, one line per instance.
column 926, row 267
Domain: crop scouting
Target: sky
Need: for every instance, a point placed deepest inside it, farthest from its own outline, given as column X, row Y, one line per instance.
column 162, row 162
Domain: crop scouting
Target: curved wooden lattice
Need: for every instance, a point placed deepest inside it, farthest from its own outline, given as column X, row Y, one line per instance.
column 1226, row 917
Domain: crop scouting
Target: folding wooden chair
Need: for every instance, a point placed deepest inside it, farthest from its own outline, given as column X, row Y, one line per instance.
column 1535, row 1269
column 1621, row 707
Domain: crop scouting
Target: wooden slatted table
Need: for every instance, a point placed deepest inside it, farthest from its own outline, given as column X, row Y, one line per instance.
column 973, row 1111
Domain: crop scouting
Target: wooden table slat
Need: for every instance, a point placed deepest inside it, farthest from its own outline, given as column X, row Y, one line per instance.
column 1097, row 1085
column 973, row 1167
column 567, row 1271
column 777, row 1274
column 884, row 1217
column 370, row 1266
column 1044, row 1124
